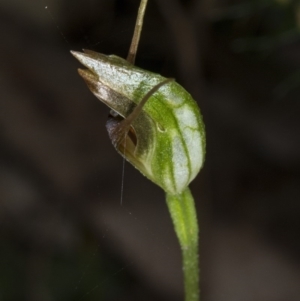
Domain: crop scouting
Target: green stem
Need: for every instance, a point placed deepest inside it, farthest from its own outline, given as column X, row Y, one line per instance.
column 183, row 213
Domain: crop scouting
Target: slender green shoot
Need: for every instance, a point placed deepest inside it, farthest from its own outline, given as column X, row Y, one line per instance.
column 183, row 213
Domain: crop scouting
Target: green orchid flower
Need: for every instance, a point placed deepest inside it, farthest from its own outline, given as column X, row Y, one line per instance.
column 162, row 136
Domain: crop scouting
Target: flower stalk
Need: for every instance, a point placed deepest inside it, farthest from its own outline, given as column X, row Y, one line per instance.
column 184, row 217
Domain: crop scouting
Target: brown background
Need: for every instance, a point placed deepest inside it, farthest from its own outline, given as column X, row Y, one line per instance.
column 64, row 234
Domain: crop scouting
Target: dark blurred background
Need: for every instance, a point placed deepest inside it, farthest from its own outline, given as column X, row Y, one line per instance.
column 65, row 235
